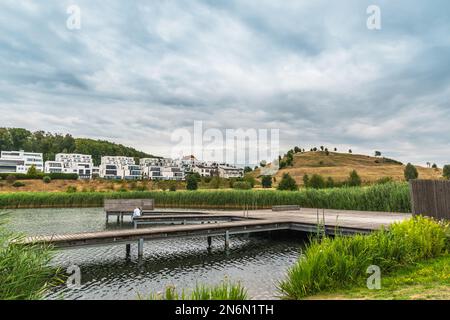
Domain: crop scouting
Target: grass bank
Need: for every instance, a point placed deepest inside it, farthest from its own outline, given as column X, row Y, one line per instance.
column 428, row 279
column 333, row 264
column 393, row 197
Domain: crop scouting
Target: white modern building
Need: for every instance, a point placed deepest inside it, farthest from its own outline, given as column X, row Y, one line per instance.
column 119, row 167
column 20, row 161
column 205, row 170
column 80, row 164
column 161, row 169
column 227, row 171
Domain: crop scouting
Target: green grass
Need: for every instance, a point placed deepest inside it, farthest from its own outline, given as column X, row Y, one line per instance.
column 223, row 291
column 24, row 270
column 391, row 197
column 341, row 262
column 428, row 279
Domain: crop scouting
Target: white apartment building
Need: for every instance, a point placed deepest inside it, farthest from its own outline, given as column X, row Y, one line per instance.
column 119, row 167
column 205, row 170
column 228, row 171
column 161, row 169
column 80, row 164
column 20, row 161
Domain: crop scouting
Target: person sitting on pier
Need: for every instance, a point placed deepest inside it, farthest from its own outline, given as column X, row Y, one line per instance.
column 136, row 213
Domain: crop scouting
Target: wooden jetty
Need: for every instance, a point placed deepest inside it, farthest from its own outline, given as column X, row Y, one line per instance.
column 225, row 223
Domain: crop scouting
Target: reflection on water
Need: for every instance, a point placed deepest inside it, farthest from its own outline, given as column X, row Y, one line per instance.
column 259, row 262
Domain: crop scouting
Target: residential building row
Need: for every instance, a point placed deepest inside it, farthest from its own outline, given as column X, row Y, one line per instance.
column 116, row 167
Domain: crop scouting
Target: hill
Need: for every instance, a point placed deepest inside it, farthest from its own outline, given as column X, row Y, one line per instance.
column 50, row 144
column 339, row 165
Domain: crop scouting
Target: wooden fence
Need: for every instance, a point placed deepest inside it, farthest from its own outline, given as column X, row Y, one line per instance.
column 430, row 198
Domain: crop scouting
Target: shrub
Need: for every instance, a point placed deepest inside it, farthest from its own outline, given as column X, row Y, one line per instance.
column 191, row 182
column 446, row 171
column 266, row 181
column 330, row 183
column 18, row 184
column 242, row 185
column 25, row 271
column 71, row 189
column 32, row 171
column 46, row 179
column 354, row 180
column 306, row 181
column 330, row 264
column 287, row 183
column 173, row 187
column 384, row 180
column 10, row 179
column 317, row 182
column 411, row 172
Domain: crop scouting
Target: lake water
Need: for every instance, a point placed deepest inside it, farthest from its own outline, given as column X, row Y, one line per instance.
column 258, row 262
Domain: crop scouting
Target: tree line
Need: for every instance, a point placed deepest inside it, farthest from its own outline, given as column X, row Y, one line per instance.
column 49, row 144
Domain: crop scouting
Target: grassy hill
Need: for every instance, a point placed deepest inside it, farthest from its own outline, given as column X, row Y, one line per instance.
column 339, row 165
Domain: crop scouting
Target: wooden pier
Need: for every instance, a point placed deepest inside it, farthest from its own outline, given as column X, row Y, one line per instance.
column 225, row 223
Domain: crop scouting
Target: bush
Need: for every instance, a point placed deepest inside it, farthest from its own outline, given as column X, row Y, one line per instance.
column 40, row 175
column 287, row 183
column 446, row 171
column 330, row 183
column 411, row 172
column 18, row 184
column 10, row 179
column 336, row 263
column 71, row 189
column 266, row 181
column 46, row 179
column 385, row 180
column 173, row 187
column 317, row 182
column 354, row 180
column 242, row 185
column 191, row 182
column 306, row 181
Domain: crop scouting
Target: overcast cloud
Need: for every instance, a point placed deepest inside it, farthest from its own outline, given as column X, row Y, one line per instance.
column 138, row 70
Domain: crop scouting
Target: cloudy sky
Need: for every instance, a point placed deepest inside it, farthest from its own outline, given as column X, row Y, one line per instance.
column 138, row 70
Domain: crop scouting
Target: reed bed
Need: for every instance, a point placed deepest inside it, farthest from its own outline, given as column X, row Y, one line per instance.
column 223, row 291
column 391, row 197
column 24, row 270
column 331, row 264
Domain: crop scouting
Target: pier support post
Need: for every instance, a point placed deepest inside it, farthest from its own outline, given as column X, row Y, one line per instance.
column 141, row 247
column 128, row 249
column 227, row 240
column 209, row 242
column 118, row 218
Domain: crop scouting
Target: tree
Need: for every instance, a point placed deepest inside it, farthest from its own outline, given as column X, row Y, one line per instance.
column 446, row 171
column 377, row 153
column 354, row 179
column 191, row 182
column 287, row 183
column 317, row 182
column 306, row 180
column 247, row 169
column 266, row 181
column 411, row 172
column 263, row 163
column 350, row 151
column 335, row 149
column 330, row 182
column 434, row 166
column 322, row 148
column 297, row 150
column 32, row 171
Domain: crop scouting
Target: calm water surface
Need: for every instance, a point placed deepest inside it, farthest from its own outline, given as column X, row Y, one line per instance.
column 258, row 262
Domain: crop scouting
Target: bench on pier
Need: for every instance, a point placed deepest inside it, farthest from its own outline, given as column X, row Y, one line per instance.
column 286, row 208
column 121, row 207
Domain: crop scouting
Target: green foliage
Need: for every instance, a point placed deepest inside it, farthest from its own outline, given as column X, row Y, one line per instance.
column 71, row 189
column 316, row 182
column 32, row 171
column 385, row 180
column 446, row 171
column 46, row 179
column 306, row 180
column 50, row 144
column 24, row 270
column 191, row 182
column 247, row 169
column 287, row 183
column 411, row 172
column 18, row 184
column 242, row 185
column 354, row 179
column 336, row 263
column 266, row 181
column 330, row 183
column 390, row 197
column 222, row 291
